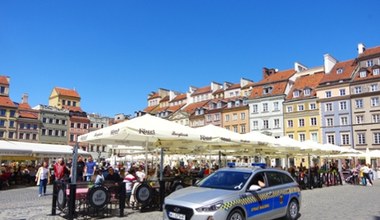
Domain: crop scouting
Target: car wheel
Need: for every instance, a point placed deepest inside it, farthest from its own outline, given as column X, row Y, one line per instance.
column 236, row 214
column 292, row 210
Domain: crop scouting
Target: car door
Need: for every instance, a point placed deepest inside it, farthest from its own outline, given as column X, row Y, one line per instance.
column 279, row 182
column 259, row 203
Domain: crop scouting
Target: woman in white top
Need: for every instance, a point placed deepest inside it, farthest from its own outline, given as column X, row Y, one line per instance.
column 43, row 178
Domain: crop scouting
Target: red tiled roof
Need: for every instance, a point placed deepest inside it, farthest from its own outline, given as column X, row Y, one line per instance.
column 6, row 102
column 4, row 80
column 72, row 108
column 278, row 76
column 150, row 108
column 303, row 82
column 191, row 107
column 154, row 96
column 203, row 90
column 165, row 99
column 67, row 92
column 175, row 108
column 161, row 109
column 179, row 97
column 79, row 119
column 28, row 114
column 24, row 106
column 370, row 51
column 347, row 67
column 234, row 86
column 218, row 91
column 277, row 89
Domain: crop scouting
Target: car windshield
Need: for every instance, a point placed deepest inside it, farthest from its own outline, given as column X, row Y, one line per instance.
column 229, row 180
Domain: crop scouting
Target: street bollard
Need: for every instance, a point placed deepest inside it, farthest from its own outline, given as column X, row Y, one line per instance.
column 54, row 202
column 73, row 189
column 122, row 196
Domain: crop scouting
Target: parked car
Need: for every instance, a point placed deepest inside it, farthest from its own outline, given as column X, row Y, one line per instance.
column 237, row 193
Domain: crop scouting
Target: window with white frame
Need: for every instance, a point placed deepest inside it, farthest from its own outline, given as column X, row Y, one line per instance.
column 329, row 107
column 289, row 109
column 301, row 107
column 342, row 92
column 374, row 88
column 296, row 93
column 301, row 122
column 369, row 63
column 358, row 90
column 208, row 118
column 374, row 101
column 265, row 107
column 343, row 105
column 376, row 71
column 302, row 137
column 359, row 103
column 255, row 109
column 237, row 103
column 376, row 137
column 242, row 116
column 331, row 138
column 345, row 139
column 234, row 116
column 291, row 136
column 339, row 71
column 313, row 106
column 361, row 138
column 217, row 117
column 313, row 121
column 265, row 124
column 359, row 119
column 344, row 120
column 255, row 125
column 376, row 118
column 276, row 106
column 235, row 127
column 329, row 122
column 290, row 123
column 314, row 137
column 242, row 128
column 307, row 92
column 363, row 74
column 276, row 123
column 227, row 117
column 328, row 94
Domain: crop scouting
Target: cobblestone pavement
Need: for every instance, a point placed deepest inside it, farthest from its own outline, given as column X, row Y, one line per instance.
column 335, row 203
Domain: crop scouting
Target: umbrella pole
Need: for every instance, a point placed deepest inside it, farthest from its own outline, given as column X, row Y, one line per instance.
column 162, row 182
column 146, row 157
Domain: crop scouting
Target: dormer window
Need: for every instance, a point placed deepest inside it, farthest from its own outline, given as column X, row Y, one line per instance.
column 339, row 71
column 219, row 105
column 363, row 74
column 267, row 90
column 237, row 103
column 307, row 92
column 229, row 105
column 296, row 93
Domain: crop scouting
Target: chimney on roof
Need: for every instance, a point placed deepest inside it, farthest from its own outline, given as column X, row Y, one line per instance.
column 361, row 48
column 24, row 98
column 267, row 72
column 328, row 62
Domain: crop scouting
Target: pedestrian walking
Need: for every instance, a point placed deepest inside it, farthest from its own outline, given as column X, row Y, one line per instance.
column 60, row 170
column 365, row 170
column 43, row 178
column 129, row 180
column 80, row 168
column 90, row 168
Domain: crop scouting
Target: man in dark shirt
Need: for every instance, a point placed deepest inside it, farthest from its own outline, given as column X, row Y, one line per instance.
column 80, row 168
column 112, row 175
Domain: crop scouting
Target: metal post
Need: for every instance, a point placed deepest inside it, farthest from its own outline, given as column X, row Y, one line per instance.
column 162, row 182
column 220, row 159
column 54, row 202
column 122, row 196
column 73, row 185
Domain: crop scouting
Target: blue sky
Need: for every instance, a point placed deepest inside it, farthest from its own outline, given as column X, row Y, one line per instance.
column 114, row 53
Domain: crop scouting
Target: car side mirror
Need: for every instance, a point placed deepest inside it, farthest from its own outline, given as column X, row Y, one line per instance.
column 254, row 188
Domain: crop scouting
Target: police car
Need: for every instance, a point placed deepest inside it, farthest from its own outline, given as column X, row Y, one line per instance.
column 237, row 194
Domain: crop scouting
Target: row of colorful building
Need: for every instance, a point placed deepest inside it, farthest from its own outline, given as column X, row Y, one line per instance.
column 337, row 102
column 59, row 122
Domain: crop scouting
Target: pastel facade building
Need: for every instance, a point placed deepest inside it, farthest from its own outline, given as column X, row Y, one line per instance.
column 334, row 102
column 8, row 112
column 365, row 99
column 27, row 122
